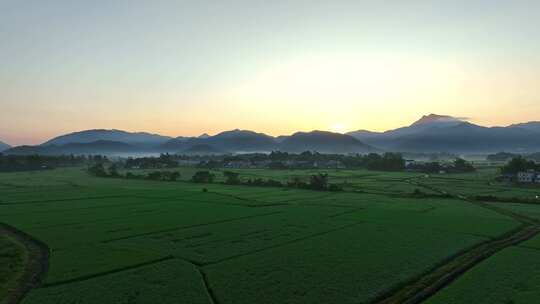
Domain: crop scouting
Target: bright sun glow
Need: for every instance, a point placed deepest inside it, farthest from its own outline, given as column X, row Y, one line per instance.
column 338, row 128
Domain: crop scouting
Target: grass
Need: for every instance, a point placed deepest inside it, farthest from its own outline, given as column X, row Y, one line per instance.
column 12, row 260
column 171, row 281
column 137, row 241
column 510, row 276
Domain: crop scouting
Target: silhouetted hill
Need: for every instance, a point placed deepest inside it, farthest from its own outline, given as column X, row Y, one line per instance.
column 96, row 147
column 431, row 133
column 434, row 119
column 438, row 133
column 235, row 140
column 324, row 142
column 532, row 126
column 4, row 146
column 139, row 139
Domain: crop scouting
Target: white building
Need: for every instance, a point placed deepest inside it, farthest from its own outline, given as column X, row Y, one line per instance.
column 526, row 177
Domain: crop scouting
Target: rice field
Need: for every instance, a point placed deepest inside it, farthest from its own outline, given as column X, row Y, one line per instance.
column 137, row 241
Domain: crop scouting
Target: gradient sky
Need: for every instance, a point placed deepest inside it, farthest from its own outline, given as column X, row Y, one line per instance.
column 188, row 67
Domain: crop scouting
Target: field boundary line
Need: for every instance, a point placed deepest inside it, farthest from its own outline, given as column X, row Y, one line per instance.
column 209, row 291
column 36, row 267
column 266, row 203
column 428, row 284
column 65, row 200
column 189, row 226
column 105, row 273
column 293, row 241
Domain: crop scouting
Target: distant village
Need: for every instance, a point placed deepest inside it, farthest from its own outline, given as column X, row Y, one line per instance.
column 520, row 170
column 522, row 177
column 305, row 160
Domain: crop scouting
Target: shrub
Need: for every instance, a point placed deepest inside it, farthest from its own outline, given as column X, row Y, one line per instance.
column 231, row 178
column 203, row 177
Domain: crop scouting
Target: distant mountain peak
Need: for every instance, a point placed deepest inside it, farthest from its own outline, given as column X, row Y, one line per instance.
column 4, row 146
column 239, row 132
column 88, row 136
column 204, row 135
column 435, row 118
column 323, row 141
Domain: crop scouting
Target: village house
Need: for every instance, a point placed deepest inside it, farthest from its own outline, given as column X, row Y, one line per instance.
column 528, row 177
column 238, row 164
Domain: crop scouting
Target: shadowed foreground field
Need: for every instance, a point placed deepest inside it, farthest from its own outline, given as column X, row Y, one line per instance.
column 135, row 241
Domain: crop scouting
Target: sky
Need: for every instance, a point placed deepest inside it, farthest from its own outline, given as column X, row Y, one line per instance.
column 183, row 68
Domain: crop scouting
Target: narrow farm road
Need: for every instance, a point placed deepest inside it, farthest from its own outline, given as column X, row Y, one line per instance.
column 430, row 283
column 37, row 263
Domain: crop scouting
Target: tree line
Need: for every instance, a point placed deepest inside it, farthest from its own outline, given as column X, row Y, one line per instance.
column 459, row 165
column 519, row 164
column 317, row 181
column 13, row 163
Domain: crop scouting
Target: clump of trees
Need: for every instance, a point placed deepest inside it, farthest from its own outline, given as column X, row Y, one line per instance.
column 231, row 178
column 99, row 170
column 317, row 182
column 167, row 176
column 275, row 160
column 163, row 161
column 457, row 166
column 203, row 177
column 259, row 182
column 519, row 164
column 462, row 166
column 385, row 162
column 13, row 163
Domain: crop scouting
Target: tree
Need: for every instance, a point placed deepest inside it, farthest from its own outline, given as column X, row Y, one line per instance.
column 203, row 177
column 518, row 164
column 460, row 165
column 155, row 175
column 231, row 178
column 318, row 181
column 113, row 171
column 98, row 170
column 173, row 176
column 296, row 182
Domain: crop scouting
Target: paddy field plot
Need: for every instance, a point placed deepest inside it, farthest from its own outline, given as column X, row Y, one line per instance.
column 510, row 276
column 141, row 241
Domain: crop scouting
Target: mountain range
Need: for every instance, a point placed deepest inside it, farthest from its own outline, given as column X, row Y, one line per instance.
column 138, row 139
column 4, row 146
column 431, row 133
column 440, row 133
column 234, row 141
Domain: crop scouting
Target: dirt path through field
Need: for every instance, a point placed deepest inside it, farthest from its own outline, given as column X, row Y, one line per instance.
column 35, row 268
column 441, row 276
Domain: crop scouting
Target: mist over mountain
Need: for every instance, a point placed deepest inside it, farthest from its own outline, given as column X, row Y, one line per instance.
column 441, row 133
column 431, row 133
column 139, row 139
column 532, row 126
column 324, row 142
column 95, row 147
column 234, row 141
column 203, row 149
column 4, row 146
